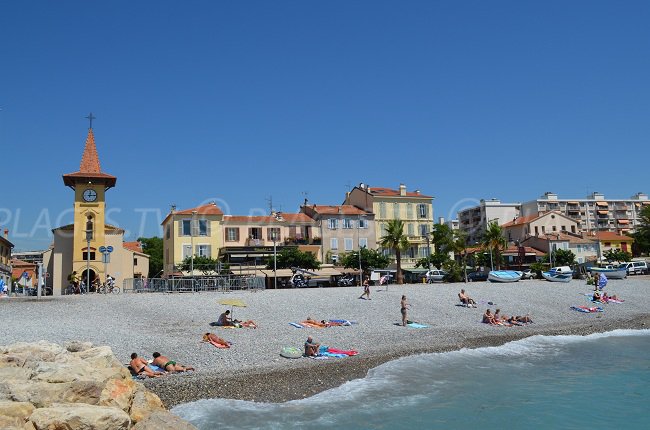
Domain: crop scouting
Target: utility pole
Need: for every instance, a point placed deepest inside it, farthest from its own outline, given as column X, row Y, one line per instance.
column 89, row 236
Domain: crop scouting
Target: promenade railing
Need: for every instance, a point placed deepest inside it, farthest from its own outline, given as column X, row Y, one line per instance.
column 193, row 285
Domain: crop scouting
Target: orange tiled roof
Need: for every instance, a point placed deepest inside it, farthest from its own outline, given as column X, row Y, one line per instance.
column 132, row 246
column 89, row 168
column 520, row 221
column 389, row 192
column 336, row 210
column 611, row 236
column 209, row 209
column 267, row 219
column 564, row 237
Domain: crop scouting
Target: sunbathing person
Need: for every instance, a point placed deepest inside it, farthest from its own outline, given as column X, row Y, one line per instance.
column 465, row 299
column 523, row 319
column 607, row 298
column 488, row 318
column 313, row 323
column 167, row 364
column 311, row 347
column 596, row 297
column 140, row 367
column 215, row 340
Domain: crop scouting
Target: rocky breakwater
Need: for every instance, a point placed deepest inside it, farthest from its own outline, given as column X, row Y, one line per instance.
column 75, row 386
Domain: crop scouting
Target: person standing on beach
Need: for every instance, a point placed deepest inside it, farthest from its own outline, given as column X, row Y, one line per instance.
column 366, row 289
column 403, row 306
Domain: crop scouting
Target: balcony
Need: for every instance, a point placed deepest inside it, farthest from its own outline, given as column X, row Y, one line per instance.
column 255, row 242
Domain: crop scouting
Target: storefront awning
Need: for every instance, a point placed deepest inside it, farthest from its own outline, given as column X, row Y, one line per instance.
column 281, row 273
column 416, row 270
column 327, row 272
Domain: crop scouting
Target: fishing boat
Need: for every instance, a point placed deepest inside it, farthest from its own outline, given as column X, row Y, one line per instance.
column 556, row 274
column 504, row 276
column 611, row 273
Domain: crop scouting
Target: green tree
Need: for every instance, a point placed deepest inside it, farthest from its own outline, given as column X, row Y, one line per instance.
column 436, row 260
column 563, row 257
column 293, row 257
column 370, row 259
column 205, row 265
column 153, row 247
column 459, row 248
column 442, row 236
column 494, row 241
column 614, row 254
column 642, row 235
column 396, row 240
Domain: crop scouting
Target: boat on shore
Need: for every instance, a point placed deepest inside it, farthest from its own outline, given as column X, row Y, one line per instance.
column 610, row 273
column 504, row 276
column 555, row 275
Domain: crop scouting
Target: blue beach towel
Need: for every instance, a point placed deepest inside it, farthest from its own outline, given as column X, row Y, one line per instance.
column 417, row 325
column 296, row 325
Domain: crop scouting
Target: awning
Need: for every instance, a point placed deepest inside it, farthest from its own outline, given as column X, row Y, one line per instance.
column 350, row 271
column 327, row 272
column 603, row 212
column 623, row 221
column 281, row 273
column 246, row 272
column 416, row 270
column 572, row 203
column 602, row 204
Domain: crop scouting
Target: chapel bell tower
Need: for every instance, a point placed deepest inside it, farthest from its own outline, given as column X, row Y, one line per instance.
column 90, row 185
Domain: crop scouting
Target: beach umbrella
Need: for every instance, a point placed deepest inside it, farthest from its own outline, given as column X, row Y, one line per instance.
column 232, row 303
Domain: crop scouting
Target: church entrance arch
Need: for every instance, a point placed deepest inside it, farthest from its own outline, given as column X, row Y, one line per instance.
column 93, row 277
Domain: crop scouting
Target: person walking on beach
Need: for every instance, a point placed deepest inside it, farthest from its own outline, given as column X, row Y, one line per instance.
column 366, row 289
column 403, row 306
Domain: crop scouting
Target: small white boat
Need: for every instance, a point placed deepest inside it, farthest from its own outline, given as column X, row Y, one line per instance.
column 610, row 273
column 504, row 276
column 557, row 276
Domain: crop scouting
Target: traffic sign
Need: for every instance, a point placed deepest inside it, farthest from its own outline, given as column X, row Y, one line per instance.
column 25, row 275
column 109, row 249
column 102, row 249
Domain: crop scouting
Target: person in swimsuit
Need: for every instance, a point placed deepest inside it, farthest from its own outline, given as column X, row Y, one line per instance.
column 224, row 319
column 465, row 299
column 140, row 367
column 488, row 318
column 215, row 340
column 167, row 364
column 366, row 289
column 311, row 347
column 403, row 306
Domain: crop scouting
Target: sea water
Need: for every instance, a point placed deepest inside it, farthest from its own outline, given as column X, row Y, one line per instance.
column 600, row 381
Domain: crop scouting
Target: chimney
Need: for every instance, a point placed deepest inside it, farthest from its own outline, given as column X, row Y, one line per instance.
column 340, row 210
column 6, row 233
column 417, row 192
column 402, row 189
column 173, row 208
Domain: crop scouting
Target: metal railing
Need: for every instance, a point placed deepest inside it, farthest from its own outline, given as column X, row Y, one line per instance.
column 193, row 285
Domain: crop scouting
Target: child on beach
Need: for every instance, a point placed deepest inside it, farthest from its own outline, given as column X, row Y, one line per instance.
column 366, row 289
column 403, row 306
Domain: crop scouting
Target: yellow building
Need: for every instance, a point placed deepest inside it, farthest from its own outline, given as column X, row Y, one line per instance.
column 5, row 259
column 609, row 240
column 78, row 247
column 412, row 207
column 196, row 231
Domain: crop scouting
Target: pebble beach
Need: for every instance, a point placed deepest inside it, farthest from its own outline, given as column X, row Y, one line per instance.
column 252, row 368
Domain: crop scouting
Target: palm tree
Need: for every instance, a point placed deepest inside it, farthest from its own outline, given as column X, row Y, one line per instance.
column 459, row 246
column 396, row 240
column 493, row 240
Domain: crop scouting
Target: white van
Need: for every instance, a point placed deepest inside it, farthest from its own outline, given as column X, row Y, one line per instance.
column 635, row 267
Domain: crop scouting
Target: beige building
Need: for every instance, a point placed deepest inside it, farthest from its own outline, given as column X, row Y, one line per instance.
column 78, row 247
column 594, row 213
column 474, row 221
column 5, row 259
column 585, row 250
column 523, row 227
column 343, row 228
column 195, row 231
column 412, row 207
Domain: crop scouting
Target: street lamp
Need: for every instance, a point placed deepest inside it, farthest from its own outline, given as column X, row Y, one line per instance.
column 426, row 237
column 275, row 259
column 89, row 236
column 359, row 246
column 192, row 226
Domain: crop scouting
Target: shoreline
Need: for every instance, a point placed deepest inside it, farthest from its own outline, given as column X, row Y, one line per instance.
column 278, row 385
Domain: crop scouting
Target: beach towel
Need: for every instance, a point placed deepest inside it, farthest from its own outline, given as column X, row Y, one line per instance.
column 341, row 322
column 296, row 325
column 586, row 309
column 416, row 325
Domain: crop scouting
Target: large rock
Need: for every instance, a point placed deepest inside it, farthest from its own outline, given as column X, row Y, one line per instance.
column 77, row 346
column 80, row 416
column 163, row 421
column 42, row 394
column 144, row 403
column 20, row 410
column 11, row 423
column 39, row 351
column 118, row 393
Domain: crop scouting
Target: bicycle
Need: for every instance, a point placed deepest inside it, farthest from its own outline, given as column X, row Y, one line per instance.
column 108, row 289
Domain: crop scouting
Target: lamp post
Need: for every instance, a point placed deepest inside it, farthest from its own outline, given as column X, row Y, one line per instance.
column 89, row 236
column 275, row 259
column 426, row 237
column 359, row 246
column 192, row 222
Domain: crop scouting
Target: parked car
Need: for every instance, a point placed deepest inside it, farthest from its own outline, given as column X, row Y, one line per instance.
column 435, row 275
column 528, row 274
column 477, row 276
column 635, row 267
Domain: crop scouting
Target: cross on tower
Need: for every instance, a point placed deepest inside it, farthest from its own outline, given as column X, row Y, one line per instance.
column 90, row 118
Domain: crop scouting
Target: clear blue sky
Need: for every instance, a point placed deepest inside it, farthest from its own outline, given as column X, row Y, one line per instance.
column 239, row 101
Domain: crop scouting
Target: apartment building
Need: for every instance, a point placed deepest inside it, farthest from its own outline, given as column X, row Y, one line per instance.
column 594, row 213
column 474, row 221
column 195, row 231
column 5, row 258
column 412, row 207
column 523, row 227
column 342, row 228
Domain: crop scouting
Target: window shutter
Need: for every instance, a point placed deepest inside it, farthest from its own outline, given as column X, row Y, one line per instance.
column 207, row 228
column 208, row 251
column 180, row 227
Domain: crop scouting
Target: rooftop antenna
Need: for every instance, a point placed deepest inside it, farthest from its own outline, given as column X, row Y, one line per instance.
column 305, row 195
column 270, row 202
column 348, row 185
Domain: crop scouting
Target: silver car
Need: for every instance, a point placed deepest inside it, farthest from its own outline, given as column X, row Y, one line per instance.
column 435, row 275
